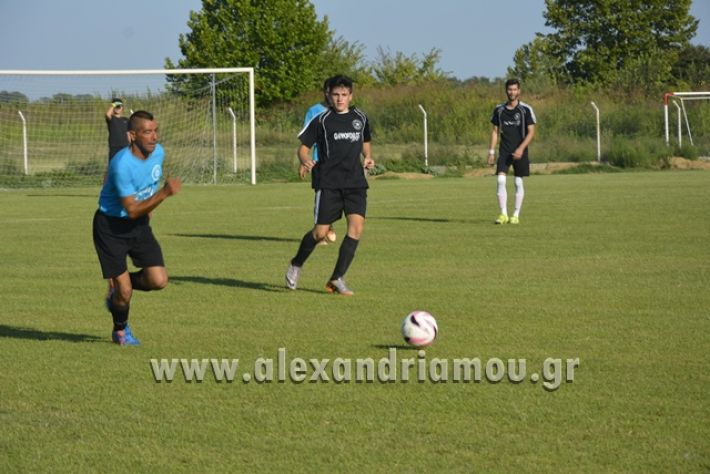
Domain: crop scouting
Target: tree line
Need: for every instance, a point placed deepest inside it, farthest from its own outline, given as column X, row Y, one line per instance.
column 639, row 46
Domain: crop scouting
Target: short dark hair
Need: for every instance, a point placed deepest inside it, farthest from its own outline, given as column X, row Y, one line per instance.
column 340, row 81
column 512, row 82
column 137, row 116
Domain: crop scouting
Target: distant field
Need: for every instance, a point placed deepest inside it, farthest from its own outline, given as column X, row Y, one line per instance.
column 610, row 270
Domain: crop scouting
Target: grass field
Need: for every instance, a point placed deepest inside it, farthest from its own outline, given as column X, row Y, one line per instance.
column 610, row 269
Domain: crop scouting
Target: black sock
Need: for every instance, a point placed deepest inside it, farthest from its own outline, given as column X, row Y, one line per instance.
column 308, row 243
column 137, row 281
column 120, row 316
column 345, row 257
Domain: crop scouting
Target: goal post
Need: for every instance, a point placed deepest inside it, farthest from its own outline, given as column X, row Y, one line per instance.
column 675, row 98
column 53, row 130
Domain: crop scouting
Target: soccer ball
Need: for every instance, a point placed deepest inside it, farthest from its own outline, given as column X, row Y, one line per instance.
column 419, row 329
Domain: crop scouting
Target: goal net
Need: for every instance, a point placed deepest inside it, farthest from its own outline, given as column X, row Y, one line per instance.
column 689, row 107
column 53, row 130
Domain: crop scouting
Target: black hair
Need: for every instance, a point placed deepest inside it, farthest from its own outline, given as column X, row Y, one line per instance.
column 340, row 81
column 512, row 82
column 137, row 116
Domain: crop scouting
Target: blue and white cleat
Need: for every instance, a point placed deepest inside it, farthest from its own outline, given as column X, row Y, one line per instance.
column 125, row 337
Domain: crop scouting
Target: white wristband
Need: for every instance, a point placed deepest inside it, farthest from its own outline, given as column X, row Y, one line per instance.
column 491, row 151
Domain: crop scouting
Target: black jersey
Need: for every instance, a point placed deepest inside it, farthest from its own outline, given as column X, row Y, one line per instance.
column 513, row 126
column 339, row 138
column 117, row 130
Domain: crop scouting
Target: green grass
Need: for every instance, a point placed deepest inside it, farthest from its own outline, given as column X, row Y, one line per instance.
column 608, row 268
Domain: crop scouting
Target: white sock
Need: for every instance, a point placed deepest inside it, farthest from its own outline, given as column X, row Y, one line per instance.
column 502, row 195
column 519, row 195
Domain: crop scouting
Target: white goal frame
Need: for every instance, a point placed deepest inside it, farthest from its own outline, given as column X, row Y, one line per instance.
column 680, row 97
column 165, row 72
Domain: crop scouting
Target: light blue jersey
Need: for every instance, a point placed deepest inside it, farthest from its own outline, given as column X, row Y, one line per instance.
column 312, row 113
column 130, row 176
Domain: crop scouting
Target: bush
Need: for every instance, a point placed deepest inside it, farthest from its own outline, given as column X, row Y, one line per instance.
column 638, row 153
column 687, row 151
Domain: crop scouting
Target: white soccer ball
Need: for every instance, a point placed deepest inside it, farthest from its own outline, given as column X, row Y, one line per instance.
column 419, row 329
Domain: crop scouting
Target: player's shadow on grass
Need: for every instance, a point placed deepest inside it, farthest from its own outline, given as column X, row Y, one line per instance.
column 234, row 283
column 37, row 335
column 253, row 238
column 435, row 220
column 93, row 196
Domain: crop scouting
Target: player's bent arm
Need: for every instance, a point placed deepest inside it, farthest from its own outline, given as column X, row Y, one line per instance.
column 304, row 157
column 530, row 135
column 307, row 163
column 367, row 162
column 136, row 209
column 528, row 138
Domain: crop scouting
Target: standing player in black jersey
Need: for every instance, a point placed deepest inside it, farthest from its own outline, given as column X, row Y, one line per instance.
column 118, row 136
column 342, row 134
column 516, row 122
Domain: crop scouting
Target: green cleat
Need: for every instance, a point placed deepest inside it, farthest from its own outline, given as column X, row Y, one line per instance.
column 502, row 219
column 515, row 220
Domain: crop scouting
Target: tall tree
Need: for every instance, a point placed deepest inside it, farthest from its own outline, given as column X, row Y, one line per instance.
column 282, row 39
column 597, row 41
column 534, row 62
column 692, row 69
column 393, row 69
column 342, row 57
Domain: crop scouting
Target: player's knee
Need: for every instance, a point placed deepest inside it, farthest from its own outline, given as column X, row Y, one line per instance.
column 123, row 295
column 320, row 234
column 160, row 281
column 156, row 278
column 355, row 231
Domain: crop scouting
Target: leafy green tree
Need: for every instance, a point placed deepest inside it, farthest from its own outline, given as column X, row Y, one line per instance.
column 692, row 70
column 597, row 41
column 282, row 39
column 342, row 57
column 395, row 69
column 534, row 62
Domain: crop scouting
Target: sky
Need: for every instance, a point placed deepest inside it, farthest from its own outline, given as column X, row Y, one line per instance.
column 476, row 37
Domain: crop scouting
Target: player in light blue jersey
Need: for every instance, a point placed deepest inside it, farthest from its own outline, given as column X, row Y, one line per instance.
column 131, row 177
column 313, row 112
column 121, row 226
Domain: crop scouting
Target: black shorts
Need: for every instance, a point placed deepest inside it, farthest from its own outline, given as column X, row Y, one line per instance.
column 521, row 167
column 116, row 238
column 330, row 204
